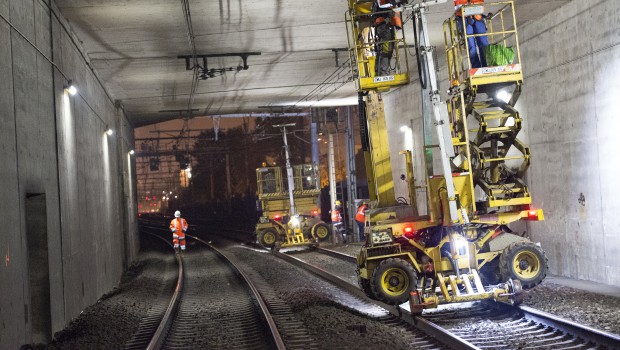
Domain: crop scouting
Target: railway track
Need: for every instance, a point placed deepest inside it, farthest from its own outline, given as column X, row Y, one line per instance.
column 500, row 326
column 485, row 326
column 214, row 306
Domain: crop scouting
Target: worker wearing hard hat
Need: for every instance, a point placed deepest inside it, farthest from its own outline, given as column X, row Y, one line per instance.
column 360, row 218
column 474, row 25
column 337, row 220
column 385, row 21
column 178, row 226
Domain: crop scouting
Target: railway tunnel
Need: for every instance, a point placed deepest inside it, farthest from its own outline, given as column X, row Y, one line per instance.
column 253, row 120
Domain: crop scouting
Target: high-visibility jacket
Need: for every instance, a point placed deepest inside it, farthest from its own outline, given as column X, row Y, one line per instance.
column 393, row 17
column 336, row 217
column 178, row 226
column 361, row 213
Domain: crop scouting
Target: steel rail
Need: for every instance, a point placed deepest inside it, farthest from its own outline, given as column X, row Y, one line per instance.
column 273, row 328
column 162, row 330
column 441, row 334
column 609, row 340
column 337, row 254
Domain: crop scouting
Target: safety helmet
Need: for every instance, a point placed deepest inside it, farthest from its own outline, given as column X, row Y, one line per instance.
column 338, row 203
column 177, row 214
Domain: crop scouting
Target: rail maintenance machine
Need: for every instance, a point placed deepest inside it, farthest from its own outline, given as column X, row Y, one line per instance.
column 461, row 249
column 290, row 214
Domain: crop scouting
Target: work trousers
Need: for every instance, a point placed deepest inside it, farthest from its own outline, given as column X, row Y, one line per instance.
column 476, row 44
column 384, row 48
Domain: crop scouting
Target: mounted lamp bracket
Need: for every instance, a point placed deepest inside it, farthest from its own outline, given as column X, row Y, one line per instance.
column 191, row 63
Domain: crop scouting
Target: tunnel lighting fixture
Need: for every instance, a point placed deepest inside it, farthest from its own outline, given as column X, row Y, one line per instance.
column 70, row 88
column 109, row 132
column 404, row 128
column 132, row 152
column 176, row 197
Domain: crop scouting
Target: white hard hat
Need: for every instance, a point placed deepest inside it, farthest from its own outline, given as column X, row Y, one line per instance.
column 177, row 214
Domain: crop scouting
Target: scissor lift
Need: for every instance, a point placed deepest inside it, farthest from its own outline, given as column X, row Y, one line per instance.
column 362, row 50
column 485, row 99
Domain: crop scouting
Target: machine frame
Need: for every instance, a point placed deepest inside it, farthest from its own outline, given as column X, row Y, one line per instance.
column 463, row 244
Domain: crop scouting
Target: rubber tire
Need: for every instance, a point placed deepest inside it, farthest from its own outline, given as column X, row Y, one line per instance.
column 264, row 232
column 404, row 268
column 320, row 225
column 364, row 285
column 507, row 271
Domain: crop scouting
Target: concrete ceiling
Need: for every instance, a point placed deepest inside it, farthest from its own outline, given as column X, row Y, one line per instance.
column 134, row 45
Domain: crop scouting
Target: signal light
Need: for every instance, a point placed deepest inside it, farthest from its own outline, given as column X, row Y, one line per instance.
column 408, row 231
column 277, row 217
column 532, row 215
column 315, row 212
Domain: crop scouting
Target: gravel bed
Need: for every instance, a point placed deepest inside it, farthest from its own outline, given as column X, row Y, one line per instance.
column 331, row 316
column 110, row 322
column 591, row 309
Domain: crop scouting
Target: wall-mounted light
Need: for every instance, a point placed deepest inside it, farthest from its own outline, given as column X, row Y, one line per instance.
column 132, row 152
column 109, row 132
column 70, row 88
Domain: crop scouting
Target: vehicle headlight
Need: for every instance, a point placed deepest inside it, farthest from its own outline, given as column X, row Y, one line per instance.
column 462, row 246
column 294, row 221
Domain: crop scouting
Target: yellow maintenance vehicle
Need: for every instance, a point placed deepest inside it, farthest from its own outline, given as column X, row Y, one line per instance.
column 287, row 199
column 459, row 248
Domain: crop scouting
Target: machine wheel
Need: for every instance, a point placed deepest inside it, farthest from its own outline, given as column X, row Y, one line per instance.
column 268, row 237
column 320, row 231
column 364, row 285
column 523, row 261
column 393, row 280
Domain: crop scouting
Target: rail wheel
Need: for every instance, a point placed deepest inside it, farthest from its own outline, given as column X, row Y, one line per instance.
column 268, row 237
column 393, row 280
column 523, row 261
column 364, row 285
column 320, row 231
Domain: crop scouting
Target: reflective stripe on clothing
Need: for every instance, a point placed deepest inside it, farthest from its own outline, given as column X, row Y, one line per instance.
column 178, row 224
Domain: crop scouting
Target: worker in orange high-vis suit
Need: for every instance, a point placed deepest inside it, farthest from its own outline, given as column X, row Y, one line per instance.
column 338, row 227
column 386, row 21
column 178, row 226
column 360, row 218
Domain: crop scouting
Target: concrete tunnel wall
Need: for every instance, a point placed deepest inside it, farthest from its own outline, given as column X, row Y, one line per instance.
column 571, row 60
column 54, row 143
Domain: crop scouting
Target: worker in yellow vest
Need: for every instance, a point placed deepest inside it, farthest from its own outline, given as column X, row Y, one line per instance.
column 178, row 226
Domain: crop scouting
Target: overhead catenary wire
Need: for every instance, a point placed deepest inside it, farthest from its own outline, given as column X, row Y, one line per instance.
column 192, row 46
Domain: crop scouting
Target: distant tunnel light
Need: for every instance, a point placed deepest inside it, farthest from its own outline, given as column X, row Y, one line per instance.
column 132, row 152
column 109, row 132
column 71, row 89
